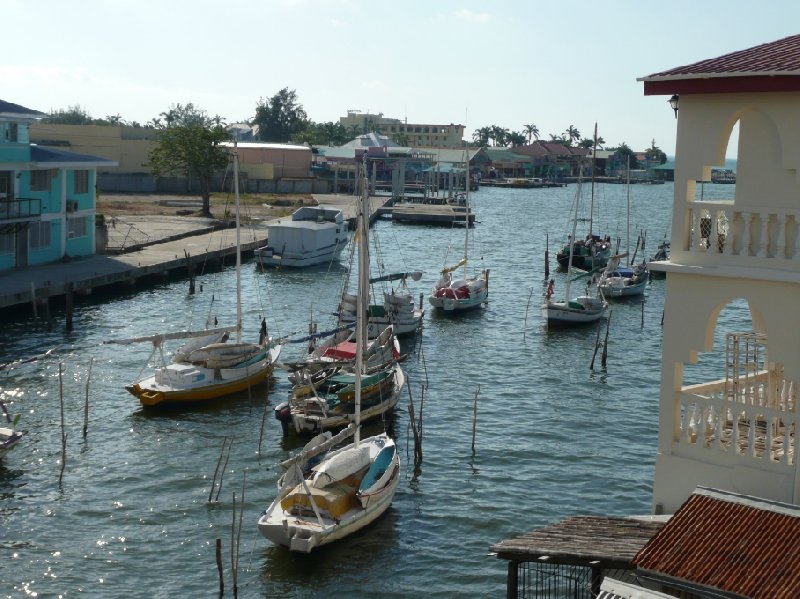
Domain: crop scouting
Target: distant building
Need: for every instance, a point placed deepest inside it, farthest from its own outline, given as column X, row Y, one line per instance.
column 404, row 133
column 47, row 195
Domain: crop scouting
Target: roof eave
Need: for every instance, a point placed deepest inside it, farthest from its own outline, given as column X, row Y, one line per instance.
column 719, row 84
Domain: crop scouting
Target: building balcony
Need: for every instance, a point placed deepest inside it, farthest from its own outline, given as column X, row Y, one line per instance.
column 14, row 210
column 721, row 234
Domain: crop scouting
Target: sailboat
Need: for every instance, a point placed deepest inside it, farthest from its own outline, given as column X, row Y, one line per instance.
column 398, row 309
column 327, row 493
column 457, row 295
column 9, row 436
column 325, row 385
column 624, row 281
column 208, row 367
column 593, row 252
column 583, row 309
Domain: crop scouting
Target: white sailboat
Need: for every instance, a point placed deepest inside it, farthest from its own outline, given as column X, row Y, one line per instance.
column 624, row 281
column 583, row 309
column 398, row 309
column 210, row 367
column 346, row 488
column 457, row 295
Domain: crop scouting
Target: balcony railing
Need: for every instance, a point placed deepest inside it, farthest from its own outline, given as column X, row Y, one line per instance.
column 19, row 208
column 758, row 421
column 722, row 228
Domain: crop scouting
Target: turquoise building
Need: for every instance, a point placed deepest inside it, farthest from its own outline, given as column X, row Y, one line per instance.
column 47, row 196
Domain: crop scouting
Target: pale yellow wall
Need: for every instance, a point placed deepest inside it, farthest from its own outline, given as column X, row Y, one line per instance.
column 702, row 283
column 98, row 140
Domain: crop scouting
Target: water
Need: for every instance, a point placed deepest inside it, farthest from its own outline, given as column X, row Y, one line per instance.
column 554, row 438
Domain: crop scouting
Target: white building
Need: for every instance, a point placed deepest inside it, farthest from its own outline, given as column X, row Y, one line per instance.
column 418, row 135
column 736, row 431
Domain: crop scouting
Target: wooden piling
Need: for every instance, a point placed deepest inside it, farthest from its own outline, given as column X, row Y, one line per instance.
column 63, row 426
column 86, row 402
column 604, row 356
column 33, row 300
column 224, row 466
column 475, row 417
column 216, row 470
column 69, row 292
column 596, row 345
column 219, row 567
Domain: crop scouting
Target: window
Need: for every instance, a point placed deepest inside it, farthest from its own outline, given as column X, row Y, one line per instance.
column 81, row 181
column 76, row 227
column 7, row 243
column 40, row 180
column 39, row 235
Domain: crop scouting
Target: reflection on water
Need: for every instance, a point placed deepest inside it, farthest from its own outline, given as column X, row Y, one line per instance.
column 552, row 436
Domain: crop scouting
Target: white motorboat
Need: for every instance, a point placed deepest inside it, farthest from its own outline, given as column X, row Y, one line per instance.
column 314, row 235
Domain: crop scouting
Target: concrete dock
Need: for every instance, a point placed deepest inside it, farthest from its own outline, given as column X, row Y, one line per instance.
column 166, row 244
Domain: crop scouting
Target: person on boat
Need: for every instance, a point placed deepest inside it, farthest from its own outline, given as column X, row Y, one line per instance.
column 550, row 289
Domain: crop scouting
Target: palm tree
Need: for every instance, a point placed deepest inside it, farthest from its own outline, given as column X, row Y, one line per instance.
column 481, row 136
column 499, row 135
column 354, row 130
column 531, row 131
column 572, row 134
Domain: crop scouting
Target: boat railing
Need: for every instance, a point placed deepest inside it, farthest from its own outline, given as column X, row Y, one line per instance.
column 735, row 230
column 751, row 420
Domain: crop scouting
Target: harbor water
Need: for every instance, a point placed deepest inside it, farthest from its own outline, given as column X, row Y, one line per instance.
column 131, row 516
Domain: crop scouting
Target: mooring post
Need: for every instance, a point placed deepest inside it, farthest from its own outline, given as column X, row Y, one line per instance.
column 86, row 402
column 63, row 427
column 70, row 287
column 33, row 300
column 604, row 357
column 475, row 417
column 219, row 567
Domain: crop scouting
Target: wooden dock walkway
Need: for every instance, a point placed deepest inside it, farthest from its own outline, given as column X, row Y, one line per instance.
column 171, row 247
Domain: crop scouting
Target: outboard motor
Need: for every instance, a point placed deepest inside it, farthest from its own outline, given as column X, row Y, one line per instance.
column 284, row 415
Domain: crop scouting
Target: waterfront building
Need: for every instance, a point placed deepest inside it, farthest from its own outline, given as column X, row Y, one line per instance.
column 420, row 135
column 736, row 428
column 47, row 195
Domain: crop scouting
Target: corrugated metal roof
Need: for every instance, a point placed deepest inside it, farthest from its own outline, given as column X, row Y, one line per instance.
column 51, row 156
column 734, row 543
column 11, row 109
column 781, row 57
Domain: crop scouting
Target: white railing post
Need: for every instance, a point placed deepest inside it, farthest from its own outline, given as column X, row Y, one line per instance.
column 729, row 242
column 747, row 233
column 696, row 233
column 780, row 247
column 763, row 242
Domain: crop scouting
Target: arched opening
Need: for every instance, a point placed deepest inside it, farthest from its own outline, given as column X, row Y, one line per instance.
column 734, row 399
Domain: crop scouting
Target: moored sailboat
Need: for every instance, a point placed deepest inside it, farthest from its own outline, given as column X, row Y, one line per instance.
column 451, row 294
column 583, row 309
column 212, row 367
column 326, row 493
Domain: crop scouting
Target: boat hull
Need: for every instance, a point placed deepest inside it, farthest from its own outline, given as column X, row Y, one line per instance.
column 151, row 392
column 567, row 314
column 305, row 532
column 305, row 420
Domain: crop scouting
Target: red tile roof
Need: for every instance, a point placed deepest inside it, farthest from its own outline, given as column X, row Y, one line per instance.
column 774, row 66
column 730, row 542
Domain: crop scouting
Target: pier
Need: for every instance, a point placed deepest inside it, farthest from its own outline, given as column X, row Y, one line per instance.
column 166, row 245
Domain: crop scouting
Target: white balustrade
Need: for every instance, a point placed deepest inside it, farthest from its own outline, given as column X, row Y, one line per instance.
column 722, row 227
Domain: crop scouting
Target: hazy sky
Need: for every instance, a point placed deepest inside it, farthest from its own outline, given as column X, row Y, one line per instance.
column 508, row 63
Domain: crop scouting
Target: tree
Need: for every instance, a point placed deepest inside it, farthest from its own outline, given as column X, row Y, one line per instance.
column 623, row 153
column 481, row 136
column 72, row 115
column 531, row 131
column 189, row 145
column 573, row 134
column 516, row 138
column 499, row 135
column 280, row 117
column 655, row 154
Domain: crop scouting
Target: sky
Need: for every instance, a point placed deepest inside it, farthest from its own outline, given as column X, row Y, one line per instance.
column 508, row 63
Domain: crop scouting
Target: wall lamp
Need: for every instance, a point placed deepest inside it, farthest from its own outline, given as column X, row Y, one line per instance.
column 673, row 103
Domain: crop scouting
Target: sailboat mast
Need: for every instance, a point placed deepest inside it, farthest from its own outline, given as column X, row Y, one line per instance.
column 594, row 163
column 238, row 246
column 362, row 230
column 466, row 203
column 628, row 221
column 572, row 244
